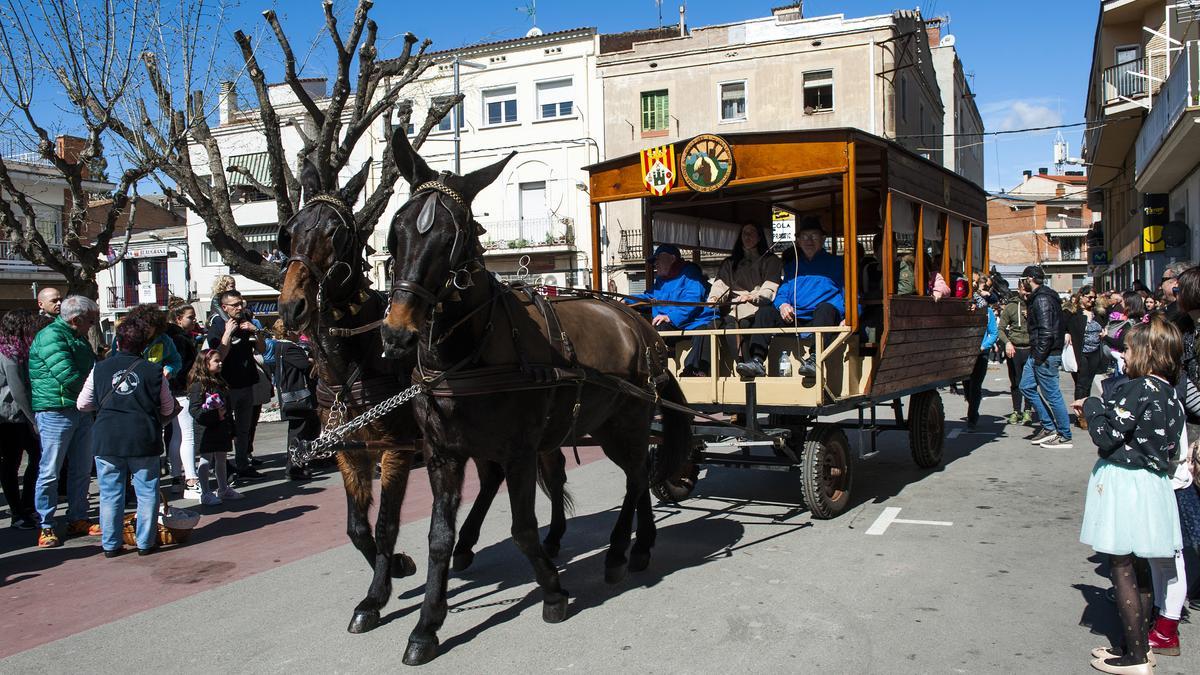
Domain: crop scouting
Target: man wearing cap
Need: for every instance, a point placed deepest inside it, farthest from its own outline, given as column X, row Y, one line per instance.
column 676, row 280
column 1039, row 380
column 811, row 295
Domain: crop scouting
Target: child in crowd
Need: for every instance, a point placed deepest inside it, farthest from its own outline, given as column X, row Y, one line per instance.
column 207, row 400
column 1130, row 511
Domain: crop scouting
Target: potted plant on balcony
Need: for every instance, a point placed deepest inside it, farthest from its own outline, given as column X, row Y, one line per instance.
column 518, row 243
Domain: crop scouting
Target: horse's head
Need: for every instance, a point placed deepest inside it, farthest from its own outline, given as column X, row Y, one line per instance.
column 324, row 250
column 434, row 242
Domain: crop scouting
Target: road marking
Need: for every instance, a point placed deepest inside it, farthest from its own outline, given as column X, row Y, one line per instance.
column 888, row 517
column 952, row 434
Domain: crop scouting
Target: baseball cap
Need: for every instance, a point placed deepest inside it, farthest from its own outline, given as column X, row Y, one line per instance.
column 665, row 248
column 1033, row 272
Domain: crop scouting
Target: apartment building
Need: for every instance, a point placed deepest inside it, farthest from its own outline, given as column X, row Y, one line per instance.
column 780, row 72
column 1044, row 221
column 536, row 95
column 962, row 125
column 37, row 178
column 1141, row 174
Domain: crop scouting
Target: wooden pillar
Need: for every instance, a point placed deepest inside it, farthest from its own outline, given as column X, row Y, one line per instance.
column 850, row 237
column 887, row 256
column 944, row 220
column 919, row 252
column 597, row 255
column 969, row 252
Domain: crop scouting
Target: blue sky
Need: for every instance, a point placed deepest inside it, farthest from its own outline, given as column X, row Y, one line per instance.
column 1029, row 59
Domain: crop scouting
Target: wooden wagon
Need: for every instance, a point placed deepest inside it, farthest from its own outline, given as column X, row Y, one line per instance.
column 891, row 346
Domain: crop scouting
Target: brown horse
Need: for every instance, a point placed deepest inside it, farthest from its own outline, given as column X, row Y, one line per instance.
column 509, row 381
column 327, row 295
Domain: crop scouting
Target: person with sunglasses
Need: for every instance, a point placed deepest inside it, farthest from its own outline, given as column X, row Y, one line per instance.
column 1169, row 285
column 238, row 339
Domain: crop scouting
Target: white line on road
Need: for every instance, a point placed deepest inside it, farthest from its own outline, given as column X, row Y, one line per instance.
column 888, row 517
column 952, row 434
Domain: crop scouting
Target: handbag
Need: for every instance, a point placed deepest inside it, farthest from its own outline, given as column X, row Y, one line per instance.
column 1069, row 364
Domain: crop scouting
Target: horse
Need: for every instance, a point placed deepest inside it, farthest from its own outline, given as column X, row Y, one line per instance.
column 509, row 375
column 327, row 295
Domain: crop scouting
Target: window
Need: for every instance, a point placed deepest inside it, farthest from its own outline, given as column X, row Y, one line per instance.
column 533, row 200
column 500, row 106
column 555, row 99
column 733, row 101
column 655, row 113
column 447, row 122
column 1068, row 248
column 818, row 90
column 212, row 257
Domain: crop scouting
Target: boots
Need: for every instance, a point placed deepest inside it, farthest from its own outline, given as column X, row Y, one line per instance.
column 1164, row 637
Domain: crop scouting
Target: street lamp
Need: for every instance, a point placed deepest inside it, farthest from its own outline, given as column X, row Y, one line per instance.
column 187, row 264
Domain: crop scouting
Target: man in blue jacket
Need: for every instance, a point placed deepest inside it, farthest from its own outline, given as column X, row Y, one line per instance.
column 676, row 280
column 812, row 294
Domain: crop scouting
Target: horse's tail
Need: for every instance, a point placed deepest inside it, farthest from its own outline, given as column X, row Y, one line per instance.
column 552, row 477
column 676, row 442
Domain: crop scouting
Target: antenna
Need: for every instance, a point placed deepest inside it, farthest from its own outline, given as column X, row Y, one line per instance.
column 659, row 3
column 530, row 10
column 1062, row 151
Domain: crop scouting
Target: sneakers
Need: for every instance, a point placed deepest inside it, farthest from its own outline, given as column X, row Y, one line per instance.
column 210, row 499
column 752, row 368
column 1057, row 442
column 228, row 493
column 249, row 474
column 192, row 491
column 1041, row 436
column 1027, row 417
column 79, row 528
column 25, row 523
column 1014, row 417
column 47, row 538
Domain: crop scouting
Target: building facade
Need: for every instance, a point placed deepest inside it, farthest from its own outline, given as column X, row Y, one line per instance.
column 962, row 125
column 1142, row 171
column 536, row 95
column 1043, row 221
column 780, row 72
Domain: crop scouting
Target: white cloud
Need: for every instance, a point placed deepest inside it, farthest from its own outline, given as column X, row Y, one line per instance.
column 1019, row 114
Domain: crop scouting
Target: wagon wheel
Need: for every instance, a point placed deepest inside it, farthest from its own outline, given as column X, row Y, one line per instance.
column 678, row 488
column 926, row 428
column 826, row 471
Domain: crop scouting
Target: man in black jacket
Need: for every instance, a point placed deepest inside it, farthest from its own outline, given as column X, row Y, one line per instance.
column 1039, row 380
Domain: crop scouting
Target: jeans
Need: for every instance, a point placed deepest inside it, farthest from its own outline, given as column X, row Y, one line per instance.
column 241, row 406
column 1044, row 377
column 181, row 451
column 111, row 473
column 65, row 432
column 1016, row 369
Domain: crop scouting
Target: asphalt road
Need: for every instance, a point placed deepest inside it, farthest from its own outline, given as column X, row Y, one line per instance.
column 991, row 579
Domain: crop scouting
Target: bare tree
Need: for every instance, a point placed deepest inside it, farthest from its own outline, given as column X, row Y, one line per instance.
column 175, row 136
column 86, row 54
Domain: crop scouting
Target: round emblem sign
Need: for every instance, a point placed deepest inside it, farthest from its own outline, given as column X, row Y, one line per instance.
column 707, row 163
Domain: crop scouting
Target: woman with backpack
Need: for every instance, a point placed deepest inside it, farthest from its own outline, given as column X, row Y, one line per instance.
column 297, row 399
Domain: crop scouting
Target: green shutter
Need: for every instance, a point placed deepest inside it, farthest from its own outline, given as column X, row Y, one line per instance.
column 655, row 109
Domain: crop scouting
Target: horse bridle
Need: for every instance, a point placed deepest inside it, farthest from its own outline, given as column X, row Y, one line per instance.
column 459, row 278
column 345, row 224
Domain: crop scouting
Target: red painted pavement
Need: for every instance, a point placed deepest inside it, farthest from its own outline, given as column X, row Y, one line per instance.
column 51, row 594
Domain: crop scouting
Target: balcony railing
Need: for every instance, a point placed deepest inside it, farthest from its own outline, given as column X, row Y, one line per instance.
column 630, row 249
column 1180, row 92
column 1124, row 80
column 1065, row 222
column 125, row 297
column 9, row 253
column 527, row 233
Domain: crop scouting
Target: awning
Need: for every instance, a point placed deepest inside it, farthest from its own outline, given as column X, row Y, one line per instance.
column 258, row 164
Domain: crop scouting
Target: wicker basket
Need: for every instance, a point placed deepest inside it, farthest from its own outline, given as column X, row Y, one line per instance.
column 174, row 525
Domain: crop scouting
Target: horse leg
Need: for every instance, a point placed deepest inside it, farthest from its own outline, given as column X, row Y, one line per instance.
column 553, row 466
column 357, row 472
column 445, row 478
column 626, row 444
column 647, row 531
column 521, row 475
column 491, row 475
column 394, row 466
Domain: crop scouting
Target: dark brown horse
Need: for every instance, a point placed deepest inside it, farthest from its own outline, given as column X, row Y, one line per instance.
column 515, row 382
column 327, row 295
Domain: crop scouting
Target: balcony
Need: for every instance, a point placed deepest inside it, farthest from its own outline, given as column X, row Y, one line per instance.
column 630, row 249
column 11, row 257
column 511, row 236
column 1124, row 81
column 1164, row 145
column 127, row 297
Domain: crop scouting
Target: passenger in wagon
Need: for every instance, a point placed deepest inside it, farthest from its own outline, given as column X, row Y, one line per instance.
column 747, row 279
column 677, row 280
column 811, row 295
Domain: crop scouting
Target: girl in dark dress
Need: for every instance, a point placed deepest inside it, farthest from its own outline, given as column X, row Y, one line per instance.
column 208, row 397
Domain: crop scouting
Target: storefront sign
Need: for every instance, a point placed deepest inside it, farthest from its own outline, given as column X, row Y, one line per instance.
column 659, row 173
column 783, row 226
column 1154, row 217
column 148, row 252
column 707, row 163
column 147, row 294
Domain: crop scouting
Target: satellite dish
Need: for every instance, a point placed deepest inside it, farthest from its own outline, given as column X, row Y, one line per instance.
column 534, row 32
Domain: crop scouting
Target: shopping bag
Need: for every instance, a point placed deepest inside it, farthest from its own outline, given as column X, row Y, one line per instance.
column 1068, row 360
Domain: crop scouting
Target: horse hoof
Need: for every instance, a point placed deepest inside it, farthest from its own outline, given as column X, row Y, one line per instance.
column 363, row 621
column 554, row 611
column 462, row 561
column 615, row 575
column 402, row 566
column 551, row 548
column 638, row 562
column 419, row 652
